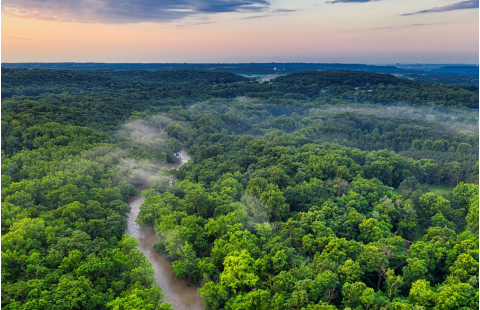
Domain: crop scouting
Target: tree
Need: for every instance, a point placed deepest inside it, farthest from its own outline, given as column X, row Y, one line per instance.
column 431, row 204
column 71, row 262
column 74, row 293
column 427, row 145
column 382, row 170
column 197, row 199
column 439, row 145
column 265, row 200
column 239, row 271
column 463, row 194
column 370, row 231
column 416, row 269
column 456, row 296
column 422, row 294
column 373, row 260
column 259, row 299
column 472, row 218
column 429, row 167
column 148, row 299
column 214, row 295
column 350, row 271
column 307, row 194
column 455, row 170
column 464, row 148
column 187, row 265
column 357, row 294
column 417, row 144
column 392, row 283
column 324, row 287
column 464, row 268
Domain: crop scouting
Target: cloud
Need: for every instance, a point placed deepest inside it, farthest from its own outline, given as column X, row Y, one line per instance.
column 284, row 11
column 125, row 11
column 463, row 5
column 350, row 1
column 254, row 17
column 404, row 26
column 19, row 38
column 188, row 24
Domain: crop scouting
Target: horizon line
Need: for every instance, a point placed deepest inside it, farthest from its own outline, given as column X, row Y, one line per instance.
column 213, row 63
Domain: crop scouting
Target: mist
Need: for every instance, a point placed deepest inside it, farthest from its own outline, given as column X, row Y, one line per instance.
column 460, row 120
column 142, row 153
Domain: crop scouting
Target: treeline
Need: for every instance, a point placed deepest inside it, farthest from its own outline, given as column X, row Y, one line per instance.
column 40, row 81
column 199, row 85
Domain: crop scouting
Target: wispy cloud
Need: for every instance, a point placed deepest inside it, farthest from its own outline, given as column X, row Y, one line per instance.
column 403, row 26
column 255, row 17
column 19, row 38
column 126, row 11
column 188, row 24
column 284, row 11
column 463, row 5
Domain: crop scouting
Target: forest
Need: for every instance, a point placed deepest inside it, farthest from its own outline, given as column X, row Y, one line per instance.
column 451, row 74
column 310, row 191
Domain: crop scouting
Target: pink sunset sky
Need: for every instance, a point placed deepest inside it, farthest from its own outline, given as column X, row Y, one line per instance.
column 347, row 31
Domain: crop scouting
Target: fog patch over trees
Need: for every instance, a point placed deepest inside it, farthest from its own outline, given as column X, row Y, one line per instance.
column 457, row 119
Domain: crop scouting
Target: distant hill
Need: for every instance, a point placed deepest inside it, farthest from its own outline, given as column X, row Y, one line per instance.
column 340, row 78
column 195, row 85
column 458, row 69
column 443, row 74
column 239, row 68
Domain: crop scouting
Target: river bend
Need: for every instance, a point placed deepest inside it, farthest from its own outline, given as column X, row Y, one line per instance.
column 179, row 292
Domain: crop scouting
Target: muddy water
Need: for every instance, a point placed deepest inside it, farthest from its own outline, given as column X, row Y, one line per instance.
column 180, row 293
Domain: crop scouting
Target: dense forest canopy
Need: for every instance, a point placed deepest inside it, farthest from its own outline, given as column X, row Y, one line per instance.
column 195, row 85
column 315, row 190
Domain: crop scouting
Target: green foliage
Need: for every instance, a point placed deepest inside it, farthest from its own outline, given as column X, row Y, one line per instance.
column 239, row 272
column 290, row 200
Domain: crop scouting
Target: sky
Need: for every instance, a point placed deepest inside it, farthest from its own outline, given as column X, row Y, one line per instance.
column 208, row 31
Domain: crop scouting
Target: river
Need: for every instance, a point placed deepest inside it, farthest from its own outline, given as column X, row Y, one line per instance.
column 179, row 292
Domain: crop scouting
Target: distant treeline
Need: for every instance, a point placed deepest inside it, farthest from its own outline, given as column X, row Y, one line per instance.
column 361, row 87
column 458, row 74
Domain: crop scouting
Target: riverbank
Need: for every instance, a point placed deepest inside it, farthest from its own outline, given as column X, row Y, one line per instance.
column 181, row 293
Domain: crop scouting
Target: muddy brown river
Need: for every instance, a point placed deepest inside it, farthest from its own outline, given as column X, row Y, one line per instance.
column 179, row 292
